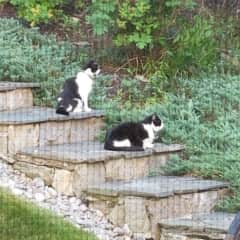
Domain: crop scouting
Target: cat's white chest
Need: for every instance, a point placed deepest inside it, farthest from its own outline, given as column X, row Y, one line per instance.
column 84, row 83
column 148, row 142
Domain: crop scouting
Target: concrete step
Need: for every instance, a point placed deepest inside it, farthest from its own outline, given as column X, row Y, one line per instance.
column 37, row 126
column 15, row 95
column 73, row 167
column 143, row 203
column 212, row 226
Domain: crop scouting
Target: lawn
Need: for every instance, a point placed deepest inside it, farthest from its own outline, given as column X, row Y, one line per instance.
column 21, row 220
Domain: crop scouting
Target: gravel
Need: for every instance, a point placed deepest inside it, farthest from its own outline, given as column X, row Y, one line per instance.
column 71, row 208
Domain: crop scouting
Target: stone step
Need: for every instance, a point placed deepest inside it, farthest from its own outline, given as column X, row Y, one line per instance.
column 143, row 203
column 212, row 226
column 15, row 95
column 38, row 126
column 72, row 167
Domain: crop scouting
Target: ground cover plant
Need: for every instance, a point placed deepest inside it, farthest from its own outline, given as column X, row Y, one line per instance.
column 23, row 220
column 28, row 56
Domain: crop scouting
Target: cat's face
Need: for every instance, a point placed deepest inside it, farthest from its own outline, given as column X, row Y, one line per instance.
column 92, row 68
column 155, row 122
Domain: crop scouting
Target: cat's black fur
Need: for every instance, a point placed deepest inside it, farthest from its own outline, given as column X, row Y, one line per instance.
column 70, row 98
column 135, row 132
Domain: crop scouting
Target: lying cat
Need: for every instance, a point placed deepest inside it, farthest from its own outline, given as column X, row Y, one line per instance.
column 74, row 96
column 131, row 136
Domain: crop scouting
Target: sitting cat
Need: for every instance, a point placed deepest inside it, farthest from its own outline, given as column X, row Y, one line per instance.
column 74, row 96
column 131, row 136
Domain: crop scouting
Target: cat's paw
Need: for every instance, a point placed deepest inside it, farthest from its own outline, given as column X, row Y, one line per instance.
column 87, row 109
column 77, row 110
column 148, row 145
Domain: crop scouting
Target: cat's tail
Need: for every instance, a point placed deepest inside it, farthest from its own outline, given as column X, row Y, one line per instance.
column 126, row 149
column 62, row 110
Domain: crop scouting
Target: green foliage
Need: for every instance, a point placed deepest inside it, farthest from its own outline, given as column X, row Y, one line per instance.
column 140, row 22
column 23, row 220
column 35, row 11
column 26, row 55
column 171, row 4
column 196, row 46
column 170, row 38
column 136, row 24
column 193, row 49
column 101, row 16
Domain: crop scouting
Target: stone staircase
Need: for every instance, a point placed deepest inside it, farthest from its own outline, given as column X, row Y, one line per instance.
column 39, row 126
column 16, row 95
column 71, row 168
column 200, row 226
column 144, row 202
column 63, row 151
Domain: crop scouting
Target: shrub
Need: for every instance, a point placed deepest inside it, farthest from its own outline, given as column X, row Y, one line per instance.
column 101, row 16
column 35, row 11
column 135, row 22
column 169, row 38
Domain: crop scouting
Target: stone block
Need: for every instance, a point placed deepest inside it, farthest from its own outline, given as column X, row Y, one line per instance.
column 117, row 213
column 19, row 98
column 3, row 101
column 156, row 162
column 63, row 182
column 33, row 171
column 85, row 130
column 15, row 99
column 136, row 167
column 125, row 169
column 3, row 139
column 105, row 206
column 181, row 205
column 111, row 207
column 115, row 169
column 44, row 161
column 54, row 132
column 22, row 136
column 136, row 215
column 86, row 175
column 212, row 226
column 190, row 234
column 4, row 143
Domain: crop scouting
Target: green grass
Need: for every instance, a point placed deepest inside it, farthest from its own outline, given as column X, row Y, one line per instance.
column 21, row 220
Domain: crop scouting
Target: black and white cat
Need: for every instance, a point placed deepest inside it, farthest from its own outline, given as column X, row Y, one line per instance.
column 133, row 136
column 74, row 96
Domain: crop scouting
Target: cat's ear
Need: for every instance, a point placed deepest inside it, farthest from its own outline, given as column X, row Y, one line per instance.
column 154, row 117
column 89, row 64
